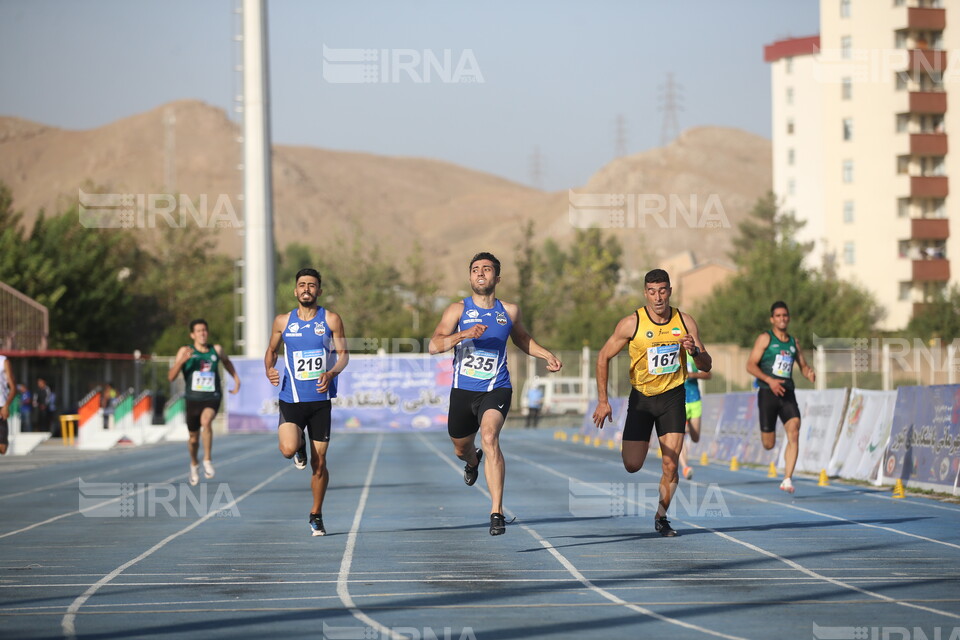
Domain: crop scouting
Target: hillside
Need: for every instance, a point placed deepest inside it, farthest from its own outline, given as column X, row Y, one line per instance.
column 323, row 196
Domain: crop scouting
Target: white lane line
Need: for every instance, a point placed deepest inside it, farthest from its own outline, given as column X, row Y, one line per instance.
column 126, row 496
column 788, row 506
column 68, row 622
column 769, row 554
column 343, row 578
column 576, row 573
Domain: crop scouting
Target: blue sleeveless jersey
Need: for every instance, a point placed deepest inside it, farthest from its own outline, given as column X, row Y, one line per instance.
column 309, row 352
column 481, row 364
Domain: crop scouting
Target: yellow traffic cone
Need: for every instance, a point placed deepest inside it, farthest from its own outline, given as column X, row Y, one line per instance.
column 575, row 438
column 659, row 453
column 556, row 435
column 563, row 436
column 772, row 471
column 734, row 464
column 611, row 444
column 597, row 442
column 898, row 490
column 823, row 481
column 587, row 440
column 704, row 461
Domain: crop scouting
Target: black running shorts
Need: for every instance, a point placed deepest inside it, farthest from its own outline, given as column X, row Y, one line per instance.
column 313, row 416
column 668, row 411
column 194, row 408
column 467, row 409
column 770, row 406
column 4, row 432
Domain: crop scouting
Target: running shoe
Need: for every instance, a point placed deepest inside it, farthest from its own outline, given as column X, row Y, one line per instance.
column 787, row 485
column 498, row 524
column 662, row 526
column 470, row 473
column 688, row 472
column 194, row 474
column 208, row 471
column 316, row 525
column 300, row 457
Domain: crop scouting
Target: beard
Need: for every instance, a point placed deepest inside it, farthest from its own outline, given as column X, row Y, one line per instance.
column 307, row 300
column 483, row 290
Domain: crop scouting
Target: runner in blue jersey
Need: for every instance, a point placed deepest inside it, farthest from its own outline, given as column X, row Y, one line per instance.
column 315, row 352
column 477, row 328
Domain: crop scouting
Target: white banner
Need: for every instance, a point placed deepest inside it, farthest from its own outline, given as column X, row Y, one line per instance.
column 866, row 427
column 821, row 413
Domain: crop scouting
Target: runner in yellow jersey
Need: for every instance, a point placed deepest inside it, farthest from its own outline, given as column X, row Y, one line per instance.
column 660, row 337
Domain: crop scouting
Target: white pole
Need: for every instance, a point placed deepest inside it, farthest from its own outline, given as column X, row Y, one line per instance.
column 258, row 308
column 952, row 363
column 821, row 368
column 585, row 378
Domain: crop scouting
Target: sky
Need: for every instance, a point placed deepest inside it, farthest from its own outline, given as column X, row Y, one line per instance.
column 537, row 79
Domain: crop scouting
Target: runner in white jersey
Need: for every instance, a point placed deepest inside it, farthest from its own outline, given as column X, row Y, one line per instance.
column 7, row 393
column 477, row 328
column 315, row 353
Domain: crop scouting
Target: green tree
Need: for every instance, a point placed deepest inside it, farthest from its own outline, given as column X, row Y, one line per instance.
column 771, row 263
column 938, row 319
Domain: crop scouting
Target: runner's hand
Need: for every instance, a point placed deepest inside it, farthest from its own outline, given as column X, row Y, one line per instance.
column 602, row 414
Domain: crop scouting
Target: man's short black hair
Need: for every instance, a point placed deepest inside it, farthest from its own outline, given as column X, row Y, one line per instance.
column 197, row 321
column 308, row 272
column 656, row 276
column 779, row 304
column 485, row 255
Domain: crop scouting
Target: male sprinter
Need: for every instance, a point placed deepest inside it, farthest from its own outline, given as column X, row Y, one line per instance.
column 315, row 352
column 200, row 364
column 771, row 363
column 476, row 328
column 659, row 336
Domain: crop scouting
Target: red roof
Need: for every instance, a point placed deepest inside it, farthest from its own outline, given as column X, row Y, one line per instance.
column 791, row 47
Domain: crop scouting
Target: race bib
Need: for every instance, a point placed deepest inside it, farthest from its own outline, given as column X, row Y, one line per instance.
column 663, row 359
column 783, row 366
column 308, row 365
column 479, row 364
column 203, row 381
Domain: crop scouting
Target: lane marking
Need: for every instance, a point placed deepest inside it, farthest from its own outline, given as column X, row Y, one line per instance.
column 68, row 622
column 760, row 550
column 343, row 590
column 579, row 577
column 112, row 500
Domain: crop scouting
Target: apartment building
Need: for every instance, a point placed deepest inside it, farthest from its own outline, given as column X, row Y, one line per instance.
column 879, row 86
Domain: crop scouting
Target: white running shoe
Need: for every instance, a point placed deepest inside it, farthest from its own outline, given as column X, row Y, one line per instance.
column 208, row 469
column 300, row 457
column 787, row 485
column 194, row 474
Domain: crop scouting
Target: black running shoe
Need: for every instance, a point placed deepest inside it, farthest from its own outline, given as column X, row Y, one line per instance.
column 470, row 473
column 662, row 525
column 498, row 524
column 316, row 525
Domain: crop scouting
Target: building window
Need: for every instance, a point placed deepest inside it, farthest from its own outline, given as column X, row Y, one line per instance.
column 848, row 211
column 790, row 126
column 903, row 165
column 791, row 187
column 905, row 288
column 848, row 129
column 789, row 95
column 848, row 253
column 844, row 8
column 903, row 80
column 899, row 3
column 846, row 45
column 903, row 122
column 788, row 65
column 791, row 157
column 900, row 40
column 903, row 207
column 939, row 209
column 848, row 171
column 846, row 89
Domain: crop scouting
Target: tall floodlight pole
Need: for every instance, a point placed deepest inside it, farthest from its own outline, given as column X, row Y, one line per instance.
column 258, row 308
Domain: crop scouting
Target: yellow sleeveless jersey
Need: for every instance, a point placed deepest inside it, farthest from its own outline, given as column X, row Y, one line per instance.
column 657, row 361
